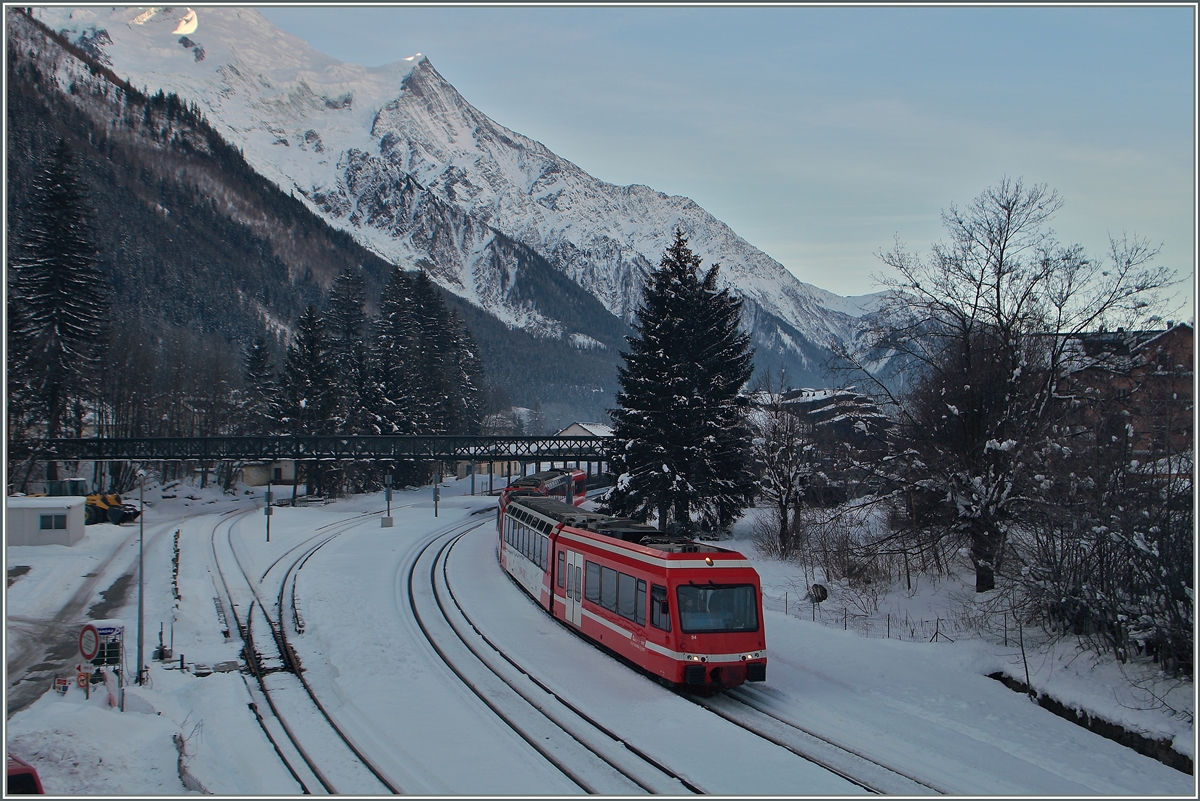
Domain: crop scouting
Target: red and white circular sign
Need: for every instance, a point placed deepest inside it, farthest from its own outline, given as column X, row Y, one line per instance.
column 89, row 642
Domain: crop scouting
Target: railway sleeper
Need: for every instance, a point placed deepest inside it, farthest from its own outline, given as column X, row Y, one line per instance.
column 263, row 665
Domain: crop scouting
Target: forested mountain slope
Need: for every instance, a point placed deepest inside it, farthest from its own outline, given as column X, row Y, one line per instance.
column 204, row 254
column 395, row 156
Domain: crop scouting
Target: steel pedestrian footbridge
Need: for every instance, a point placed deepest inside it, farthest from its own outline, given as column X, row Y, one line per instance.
column 332, row 448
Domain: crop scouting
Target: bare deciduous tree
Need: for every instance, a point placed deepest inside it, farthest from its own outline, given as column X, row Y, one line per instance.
column 982, row 326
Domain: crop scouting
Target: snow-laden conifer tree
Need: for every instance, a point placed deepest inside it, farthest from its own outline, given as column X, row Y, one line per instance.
column 467, row 380
column 436, row 360
column 310, row 393
column 396, row 345
column 262, row 409
column 60, row 297
column 681, row 441
column 346, row 328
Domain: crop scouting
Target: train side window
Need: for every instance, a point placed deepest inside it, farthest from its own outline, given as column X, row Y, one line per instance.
column 591, row 587
column 626, row 596
column 660, row 613
column 608, row 588
column 562, row 570
column 578, row 576
column 571, row 581
column 640, row 603
column 543, row 542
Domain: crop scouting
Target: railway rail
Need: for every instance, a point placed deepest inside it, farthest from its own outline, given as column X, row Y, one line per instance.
column 592, row 756
column 279, row 684
column 749, row 708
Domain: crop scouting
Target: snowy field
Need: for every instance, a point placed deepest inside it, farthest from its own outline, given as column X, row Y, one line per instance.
column 926, row 706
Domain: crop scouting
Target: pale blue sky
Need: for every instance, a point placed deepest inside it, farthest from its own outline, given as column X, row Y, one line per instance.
column 820, row 133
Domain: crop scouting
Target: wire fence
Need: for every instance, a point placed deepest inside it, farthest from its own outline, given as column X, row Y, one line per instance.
column 897, row 625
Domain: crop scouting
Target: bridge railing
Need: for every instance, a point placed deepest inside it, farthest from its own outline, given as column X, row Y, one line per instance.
column 269, row 448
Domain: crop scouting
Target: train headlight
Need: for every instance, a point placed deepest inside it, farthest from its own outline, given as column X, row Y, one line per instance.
column 754, row 655
column 708, row 561
column 695, row 658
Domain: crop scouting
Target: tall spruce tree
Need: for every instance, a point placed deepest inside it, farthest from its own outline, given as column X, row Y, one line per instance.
column 468, row 381
column 346, row 330
column 436, row 360
column 310, row 393
column 262, row 410
column 57, row 330
column 397, row 342
column 681, row 442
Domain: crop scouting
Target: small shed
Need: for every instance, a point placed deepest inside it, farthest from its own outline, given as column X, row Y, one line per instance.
column 43, row 521
column 281, row 471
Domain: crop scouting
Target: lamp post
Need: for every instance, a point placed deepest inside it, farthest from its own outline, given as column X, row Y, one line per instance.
column 141, row 474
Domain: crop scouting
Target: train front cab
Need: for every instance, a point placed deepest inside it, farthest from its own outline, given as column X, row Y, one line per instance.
column 720, row 639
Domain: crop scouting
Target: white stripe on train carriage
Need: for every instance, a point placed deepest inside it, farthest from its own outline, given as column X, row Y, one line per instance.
column 661, row 649
column 657, row 561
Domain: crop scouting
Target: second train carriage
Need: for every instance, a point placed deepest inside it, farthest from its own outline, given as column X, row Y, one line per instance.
column 568, row 485
column 690, row 613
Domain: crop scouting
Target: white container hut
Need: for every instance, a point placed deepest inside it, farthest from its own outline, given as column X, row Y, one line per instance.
column 43, row 521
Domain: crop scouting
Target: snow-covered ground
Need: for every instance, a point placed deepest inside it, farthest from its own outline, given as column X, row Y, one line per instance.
column 925, row 706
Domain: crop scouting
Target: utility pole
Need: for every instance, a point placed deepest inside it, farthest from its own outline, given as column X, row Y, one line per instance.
column 141, row 474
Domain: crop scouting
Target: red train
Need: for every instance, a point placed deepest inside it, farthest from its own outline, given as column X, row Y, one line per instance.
column 689, row 613
column 569, row 485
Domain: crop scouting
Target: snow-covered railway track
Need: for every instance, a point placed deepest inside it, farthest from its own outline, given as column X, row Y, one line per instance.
column 342, row 768
column 750, row 708
column 592, row 756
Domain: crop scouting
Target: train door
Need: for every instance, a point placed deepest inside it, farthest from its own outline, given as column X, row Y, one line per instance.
column 575, row 588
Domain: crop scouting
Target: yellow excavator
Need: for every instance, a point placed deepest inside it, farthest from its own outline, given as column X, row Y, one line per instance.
column 99, row 507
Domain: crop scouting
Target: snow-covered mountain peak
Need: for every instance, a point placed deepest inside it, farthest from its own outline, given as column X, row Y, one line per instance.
column 398, row 158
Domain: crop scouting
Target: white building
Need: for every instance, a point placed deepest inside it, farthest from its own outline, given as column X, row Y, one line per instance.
column 281, row 471
column 43, row 521
column 586, row 430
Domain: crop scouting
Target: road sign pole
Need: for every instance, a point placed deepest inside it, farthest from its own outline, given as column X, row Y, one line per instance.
column 268, row 511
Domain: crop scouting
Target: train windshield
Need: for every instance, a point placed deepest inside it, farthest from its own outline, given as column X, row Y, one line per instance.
column 716, row 607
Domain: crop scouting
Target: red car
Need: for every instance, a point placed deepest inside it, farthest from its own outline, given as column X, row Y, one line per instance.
column 22, row 778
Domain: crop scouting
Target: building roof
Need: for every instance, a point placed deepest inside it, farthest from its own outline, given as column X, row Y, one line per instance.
column 42, row 501
column 589, row 429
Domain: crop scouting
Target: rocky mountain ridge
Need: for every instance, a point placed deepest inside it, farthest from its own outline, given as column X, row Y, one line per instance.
column 397, row 158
